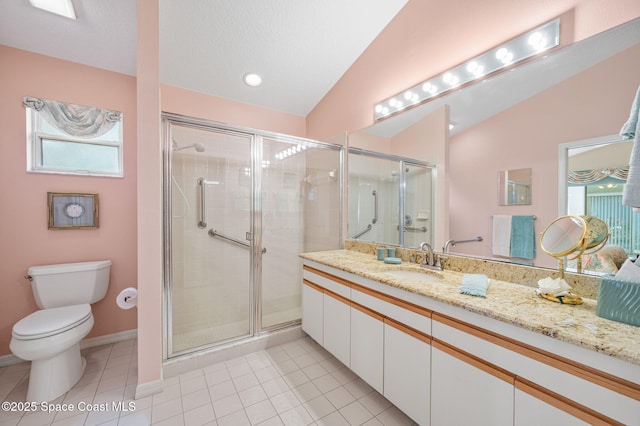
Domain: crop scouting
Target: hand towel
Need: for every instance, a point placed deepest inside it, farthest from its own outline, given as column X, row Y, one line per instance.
column 474, row 285
column 631, row 129
column 501, row 244
column 523, row 237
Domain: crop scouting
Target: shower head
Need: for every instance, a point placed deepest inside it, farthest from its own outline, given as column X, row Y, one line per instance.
column 197, row 146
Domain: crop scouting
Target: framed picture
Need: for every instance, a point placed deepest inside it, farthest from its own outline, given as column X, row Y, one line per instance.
column 72, row 211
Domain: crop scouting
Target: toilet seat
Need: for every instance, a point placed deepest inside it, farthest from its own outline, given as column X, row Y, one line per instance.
column 48, row 322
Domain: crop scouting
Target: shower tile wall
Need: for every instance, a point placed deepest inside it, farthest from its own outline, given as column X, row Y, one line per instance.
column 418, row 205
column 206, row 293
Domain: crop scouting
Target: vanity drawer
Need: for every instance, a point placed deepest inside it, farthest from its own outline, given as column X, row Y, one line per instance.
column 401, row 311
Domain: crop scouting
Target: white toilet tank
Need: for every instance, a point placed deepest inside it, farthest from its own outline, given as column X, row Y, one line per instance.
column 68, row 284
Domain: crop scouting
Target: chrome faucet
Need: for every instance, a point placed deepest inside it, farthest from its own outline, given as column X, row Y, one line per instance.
column 451, row 243
column 427, row 261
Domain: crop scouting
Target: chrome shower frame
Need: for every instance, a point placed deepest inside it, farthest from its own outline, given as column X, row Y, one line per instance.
column 255, row 243
column 403, row 162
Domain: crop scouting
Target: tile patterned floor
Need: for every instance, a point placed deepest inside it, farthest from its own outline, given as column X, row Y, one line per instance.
column 297, row 383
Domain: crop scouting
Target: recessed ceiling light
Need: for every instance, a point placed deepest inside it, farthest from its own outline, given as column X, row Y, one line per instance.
column 253, row 80
column 59, row 7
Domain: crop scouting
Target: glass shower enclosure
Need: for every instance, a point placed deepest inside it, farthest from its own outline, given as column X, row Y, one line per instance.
column 390, row 199
column 239, row 207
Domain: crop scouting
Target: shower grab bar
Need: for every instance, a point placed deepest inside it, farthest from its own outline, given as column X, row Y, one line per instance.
column 452, row 243
column 375, row 207
column 369, row 226
column 202, row 183
column 213, row 233
column 202, row 222
column 414, row 229
column 468, row 241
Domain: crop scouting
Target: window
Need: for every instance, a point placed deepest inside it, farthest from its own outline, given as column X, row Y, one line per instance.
column 599, row 193
column 73, row 139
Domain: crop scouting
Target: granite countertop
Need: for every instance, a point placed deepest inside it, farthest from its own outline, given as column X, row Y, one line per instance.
column 507, row 302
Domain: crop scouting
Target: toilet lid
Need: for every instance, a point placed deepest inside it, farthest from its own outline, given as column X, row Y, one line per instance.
column 47, row 322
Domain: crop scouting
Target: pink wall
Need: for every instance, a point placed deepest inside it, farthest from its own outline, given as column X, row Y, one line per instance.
column 426, row 38
column 149, row 187
column 193, row 104
column 593, row 103
column 25, row 238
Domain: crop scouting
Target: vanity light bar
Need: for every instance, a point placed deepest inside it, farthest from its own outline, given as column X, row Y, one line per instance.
column 495, row 60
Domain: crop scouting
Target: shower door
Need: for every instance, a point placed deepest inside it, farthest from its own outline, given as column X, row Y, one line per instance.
column 209, row 254
column 390, row 199
column 418, row 217
column 242, row 206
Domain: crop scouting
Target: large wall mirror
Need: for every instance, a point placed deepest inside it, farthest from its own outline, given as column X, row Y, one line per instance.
column 590, row 181
column 390, row 199
column 518, row 120
column 514, row 187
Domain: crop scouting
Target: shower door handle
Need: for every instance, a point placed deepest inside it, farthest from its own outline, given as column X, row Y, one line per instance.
column 249, row 237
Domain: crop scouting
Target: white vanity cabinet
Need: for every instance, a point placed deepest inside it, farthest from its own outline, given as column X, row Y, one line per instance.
column 389, row 341
column 466, row 391
column 407, row 370
column 367, row 343
column 531, row 410
column 313, row 311
column 337, row 333
column 502, row 380
column 442, row 364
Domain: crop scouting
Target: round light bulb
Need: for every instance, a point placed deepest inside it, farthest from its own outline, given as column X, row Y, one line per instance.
column 253, row 80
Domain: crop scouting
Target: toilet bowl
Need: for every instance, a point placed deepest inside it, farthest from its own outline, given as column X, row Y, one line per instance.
column 50, row 337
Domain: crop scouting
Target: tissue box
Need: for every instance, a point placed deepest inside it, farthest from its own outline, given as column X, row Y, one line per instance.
column 619, row 300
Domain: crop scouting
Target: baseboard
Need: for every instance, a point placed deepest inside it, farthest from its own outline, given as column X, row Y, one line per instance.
column 149, row 388
column 11, row 359
column 109, row 338
column 6, row 360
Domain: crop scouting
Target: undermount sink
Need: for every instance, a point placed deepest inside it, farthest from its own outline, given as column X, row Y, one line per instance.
column 413, row 275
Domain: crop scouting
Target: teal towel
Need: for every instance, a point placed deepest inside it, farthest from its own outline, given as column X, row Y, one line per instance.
column 474, row 285
column 631, row 129
column 523, row 237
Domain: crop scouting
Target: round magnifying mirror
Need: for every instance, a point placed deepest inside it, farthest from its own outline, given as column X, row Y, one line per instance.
column 597, row 234
column 564, row 236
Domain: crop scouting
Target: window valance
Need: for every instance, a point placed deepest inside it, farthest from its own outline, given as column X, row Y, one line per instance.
column 585, row 177
column 74, row 120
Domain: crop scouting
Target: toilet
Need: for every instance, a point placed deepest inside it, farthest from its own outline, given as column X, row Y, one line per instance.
column 50, row 337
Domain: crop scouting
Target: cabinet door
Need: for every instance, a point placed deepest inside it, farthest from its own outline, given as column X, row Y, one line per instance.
column 367, row 339
column 407, row 366
column 312, row 311
column 464, row 392
column 336, row 330
column 531, row 411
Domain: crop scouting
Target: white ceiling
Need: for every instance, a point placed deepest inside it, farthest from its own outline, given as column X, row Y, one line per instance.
column 300, row 48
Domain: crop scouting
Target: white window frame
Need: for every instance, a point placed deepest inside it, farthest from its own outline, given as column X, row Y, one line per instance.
column 35, row 139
